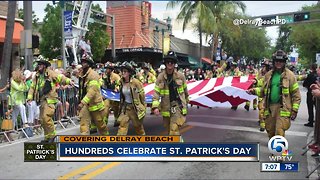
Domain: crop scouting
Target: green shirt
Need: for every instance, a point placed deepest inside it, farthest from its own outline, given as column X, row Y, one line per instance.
column 275, row 88
column 28, row 83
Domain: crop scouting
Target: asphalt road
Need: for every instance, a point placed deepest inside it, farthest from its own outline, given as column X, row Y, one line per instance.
column 203, row 125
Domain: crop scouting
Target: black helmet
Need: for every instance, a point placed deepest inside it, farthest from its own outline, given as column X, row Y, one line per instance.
column 279, row 55
column 42, row 60
column 117, row 65
column 88, row 59
column 109, row 65
column 126, row 65
column 171, row 56
column 145, row 66
column 234, row 64
column 134, row 64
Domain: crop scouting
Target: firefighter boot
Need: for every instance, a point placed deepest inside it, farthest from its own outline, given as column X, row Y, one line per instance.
column 246, row 107
column 116, row 123
column 93, row 128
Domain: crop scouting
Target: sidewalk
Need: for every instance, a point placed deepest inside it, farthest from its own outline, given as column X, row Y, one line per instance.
column 312, row 161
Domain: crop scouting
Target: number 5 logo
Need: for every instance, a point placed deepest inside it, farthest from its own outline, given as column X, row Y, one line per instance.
column 277, row 145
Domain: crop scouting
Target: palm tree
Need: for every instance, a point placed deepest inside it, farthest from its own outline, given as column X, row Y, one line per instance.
column 6, row 56
column 211, row 17
column 222, row 15
column 190, row 10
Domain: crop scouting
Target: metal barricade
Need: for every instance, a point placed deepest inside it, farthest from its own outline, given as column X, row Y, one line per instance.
column 5, row 107
column 66, row 107
column 65, row 113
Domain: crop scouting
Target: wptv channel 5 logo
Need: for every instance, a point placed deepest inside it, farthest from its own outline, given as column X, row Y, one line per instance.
column 278, row 147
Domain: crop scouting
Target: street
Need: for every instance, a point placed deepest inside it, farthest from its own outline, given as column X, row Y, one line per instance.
column 203, row 125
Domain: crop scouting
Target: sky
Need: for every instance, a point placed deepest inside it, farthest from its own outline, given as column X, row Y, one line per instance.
column 254, row 8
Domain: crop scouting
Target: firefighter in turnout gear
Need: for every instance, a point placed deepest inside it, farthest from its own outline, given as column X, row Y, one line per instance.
column 281, row 95
column 171, row 87
column 147, row 77
column 251, row 71
column 43, row 91
column 132, row 101
column 233, row 71
column 91, row 107
column 265, row 67
column 111, row 81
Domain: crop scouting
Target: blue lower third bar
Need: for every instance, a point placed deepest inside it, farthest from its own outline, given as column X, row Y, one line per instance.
column 158, row 152
column 289, row 166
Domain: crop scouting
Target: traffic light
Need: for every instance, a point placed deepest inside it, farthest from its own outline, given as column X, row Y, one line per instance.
column 35, row 41
column 301, row 16
column 100, row 17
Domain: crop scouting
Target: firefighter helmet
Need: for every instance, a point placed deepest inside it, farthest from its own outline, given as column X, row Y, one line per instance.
column 279, row 55
column 109, row 65
column 145, row 66
column 234, row 64
column 87, row 59
column 126, row 65
column 134, row 64
column 170, row 56
column 42, row 60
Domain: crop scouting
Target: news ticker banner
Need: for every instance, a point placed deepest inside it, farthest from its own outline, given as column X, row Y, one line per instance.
column 279, row 166
column 138, row 148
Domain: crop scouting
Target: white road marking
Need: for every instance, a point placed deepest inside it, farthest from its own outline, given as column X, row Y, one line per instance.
column 241, row 128
column 236, row 118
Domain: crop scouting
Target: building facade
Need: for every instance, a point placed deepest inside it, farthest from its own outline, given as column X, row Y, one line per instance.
column 141, row 38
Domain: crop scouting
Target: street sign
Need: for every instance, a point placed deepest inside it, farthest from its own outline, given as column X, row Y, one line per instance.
column 289, row 18
column 68, row 24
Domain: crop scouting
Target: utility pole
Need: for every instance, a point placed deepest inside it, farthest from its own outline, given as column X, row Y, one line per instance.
column 28, row 56
column 113, row 50
column 63, row 43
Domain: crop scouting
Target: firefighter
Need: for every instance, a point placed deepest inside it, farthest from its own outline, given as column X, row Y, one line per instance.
column 43, row 91
column 281, row 95
column 111, row 81
column 251, row 71
column 91, row 107
column 233, row 71
column 265, row 67
column 132, row 101
column 171, row 86
column 218, row 71
column 147, row 76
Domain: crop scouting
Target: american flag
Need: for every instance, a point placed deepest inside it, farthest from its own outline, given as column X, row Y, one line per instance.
column 214, row 92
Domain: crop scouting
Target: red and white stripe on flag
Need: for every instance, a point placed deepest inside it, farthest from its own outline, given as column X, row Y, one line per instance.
column 222, row 92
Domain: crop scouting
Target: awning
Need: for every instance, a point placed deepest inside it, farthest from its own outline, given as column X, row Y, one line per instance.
column 206, row 60
column 182, row 63
column 16, row 33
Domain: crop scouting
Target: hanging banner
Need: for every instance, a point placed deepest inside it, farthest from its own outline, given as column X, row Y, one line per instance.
column 166, row 45
column 68, row 24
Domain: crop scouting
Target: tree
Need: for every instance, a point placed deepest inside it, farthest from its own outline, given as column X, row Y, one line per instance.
column 98, row 37
column 307, row 37
column 6, row 56
column 211, row 17
column 221, row 17
column 283, row 41
column 35, row 19
column 245, row 41
column 50, row 44
column 192, row 10
column 51, row 34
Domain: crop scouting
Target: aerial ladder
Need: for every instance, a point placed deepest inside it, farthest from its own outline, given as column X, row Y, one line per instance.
column 80, row 16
